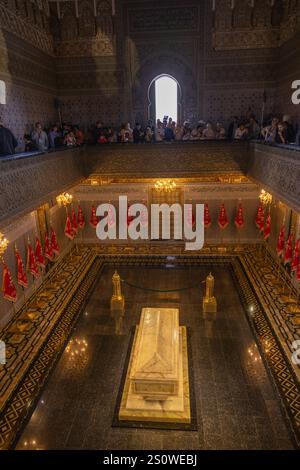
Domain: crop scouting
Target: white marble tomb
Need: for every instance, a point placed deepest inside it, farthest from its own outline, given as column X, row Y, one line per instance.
column 157, row 385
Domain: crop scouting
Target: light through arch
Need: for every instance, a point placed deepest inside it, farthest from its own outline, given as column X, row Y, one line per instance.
column 2, row 92
column 166, row 97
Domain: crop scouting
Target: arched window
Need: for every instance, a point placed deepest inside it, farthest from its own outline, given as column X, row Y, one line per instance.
column 2, row 92
column 166, row 97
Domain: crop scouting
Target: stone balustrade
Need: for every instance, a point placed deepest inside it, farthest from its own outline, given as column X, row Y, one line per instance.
column 277, row 169
column 29, row 181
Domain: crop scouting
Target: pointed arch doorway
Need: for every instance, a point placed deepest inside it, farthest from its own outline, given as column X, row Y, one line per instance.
column 164, row 96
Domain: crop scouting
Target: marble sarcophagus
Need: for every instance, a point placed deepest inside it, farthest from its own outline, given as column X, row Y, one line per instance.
column 157, row 382
column 155, row 364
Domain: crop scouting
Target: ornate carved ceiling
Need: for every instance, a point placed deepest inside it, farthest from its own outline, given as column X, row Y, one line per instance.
column 236, row 24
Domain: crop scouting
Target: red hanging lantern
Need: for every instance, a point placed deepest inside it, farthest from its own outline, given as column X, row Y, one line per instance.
column 54, row 244
column 267, row 229
column 207, row 218
column 74, row 222
column 262, row 221
column 130, row 218
column 281, row 241
column 222, row 219
column 68, row 229
column 80, row 218
column 21, row 273
column 31, row 262
column 48, row 249
column 259, row 216
column 94, row 218
column 239, row 218
column 8, row 287
column 39, row 253
column 111, row 220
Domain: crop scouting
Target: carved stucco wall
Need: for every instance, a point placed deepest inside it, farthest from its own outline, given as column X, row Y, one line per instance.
column 24, row 107
column 29, row 182
column 216, row 82
column 26, row 66
column 90, row 70
column 278, row 170
column 223, row 61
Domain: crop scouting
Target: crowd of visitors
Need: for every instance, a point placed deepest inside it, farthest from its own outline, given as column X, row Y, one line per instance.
column 57, row 136
column 273, row 131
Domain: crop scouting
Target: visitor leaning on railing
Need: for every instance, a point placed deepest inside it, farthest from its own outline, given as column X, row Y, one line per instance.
column 8, row 142
column 53, row 136
column 40, row 138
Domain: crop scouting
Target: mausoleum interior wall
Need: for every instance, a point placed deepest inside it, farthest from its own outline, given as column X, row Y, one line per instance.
column 27, row 66
column 100, row 65
column 223, row 60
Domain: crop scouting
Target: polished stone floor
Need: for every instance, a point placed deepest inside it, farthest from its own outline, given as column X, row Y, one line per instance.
column 237, row 407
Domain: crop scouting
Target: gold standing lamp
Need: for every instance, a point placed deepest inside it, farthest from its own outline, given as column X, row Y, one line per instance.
column 266, row 200
column 117, row 303
column 64, row 200
column 209, row 300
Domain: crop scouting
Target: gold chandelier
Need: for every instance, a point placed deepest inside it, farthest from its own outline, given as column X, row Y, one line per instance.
column 3, row 244
column 165, row 185
column 265, row 198
column 64, row 199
